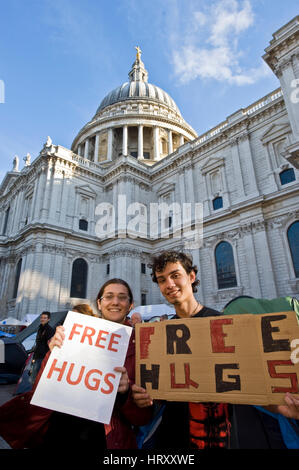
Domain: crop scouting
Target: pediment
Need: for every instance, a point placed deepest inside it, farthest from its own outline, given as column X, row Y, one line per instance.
column 165, row 188
column 86, row 190
column 275, row 131
column 212, row 164
column 8, row 181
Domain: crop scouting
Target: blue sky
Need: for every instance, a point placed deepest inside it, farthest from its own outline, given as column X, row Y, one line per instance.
column 59, row 58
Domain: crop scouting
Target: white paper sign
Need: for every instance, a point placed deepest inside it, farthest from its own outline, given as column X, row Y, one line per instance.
column 79, row 378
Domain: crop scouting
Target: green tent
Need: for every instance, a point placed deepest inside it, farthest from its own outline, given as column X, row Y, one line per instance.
column 245, row 304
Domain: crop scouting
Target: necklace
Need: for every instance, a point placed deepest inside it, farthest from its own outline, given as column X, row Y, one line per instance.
column 195, row 309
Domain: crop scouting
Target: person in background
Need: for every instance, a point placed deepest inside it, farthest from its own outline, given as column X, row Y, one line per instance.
column 135, row 318
column 85, row 309
column 40, row 349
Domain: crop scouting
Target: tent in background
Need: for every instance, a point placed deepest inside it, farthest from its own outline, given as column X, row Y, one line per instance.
column 157, row 310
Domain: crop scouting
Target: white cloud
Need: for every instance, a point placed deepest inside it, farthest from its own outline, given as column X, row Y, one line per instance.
column 215, row 53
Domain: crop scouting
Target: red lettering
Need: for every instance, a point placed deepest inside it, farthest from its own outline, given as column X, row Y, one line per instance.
column 287, row 375
column 57, row 369
column 107, row 382
column 74, row 332
column 78, row 380
column 113, row 342
column 88, row 333
column 218, row 335
column 95, row 380
column 188, row 380
column 144, row 335
column 100, row 338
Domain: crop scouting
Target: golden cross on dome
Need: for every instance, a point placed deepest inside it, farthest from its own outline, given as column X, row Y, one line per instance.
column 138, row 55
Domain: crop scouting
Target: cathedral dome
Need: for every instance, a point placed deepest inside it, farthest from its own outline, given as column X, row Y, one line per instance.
column 138, row 88
column 136, row 119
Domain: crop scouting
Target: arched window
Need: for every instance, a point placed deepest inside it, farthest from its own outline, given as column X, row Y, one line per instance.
column 217, row 203
column 287, row 176
column 293, row 238
column 79, row 279
column 83, row 225
column 17, row 279
column 225, row 266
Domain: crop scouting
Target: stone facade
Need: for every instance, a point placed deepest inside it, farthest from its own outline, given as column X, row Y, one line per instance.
column 138, row 149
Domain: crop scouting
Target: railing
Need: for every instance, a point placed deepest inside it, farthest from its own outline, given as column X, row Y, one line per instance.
column 247, row 111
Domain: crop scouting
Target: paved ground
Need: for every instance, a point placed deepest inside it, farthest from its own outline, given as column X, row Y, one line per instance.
column 6, row 393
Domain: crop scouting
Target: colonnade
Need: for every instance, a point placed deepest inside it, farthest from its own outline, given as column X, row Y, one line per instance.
column 125, row 143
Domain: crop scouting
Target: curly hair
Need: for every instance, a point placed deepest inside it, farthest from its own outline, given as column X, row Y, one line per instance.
column 159, row 262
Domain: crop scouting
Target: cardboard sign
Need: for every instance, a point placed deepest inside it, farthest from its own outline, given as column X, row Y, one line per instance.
column 79, row 378
column 242, row 359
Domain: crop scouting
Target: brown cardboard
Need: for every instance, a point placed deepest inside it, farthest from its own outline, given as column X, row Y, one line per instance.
column 224, row 359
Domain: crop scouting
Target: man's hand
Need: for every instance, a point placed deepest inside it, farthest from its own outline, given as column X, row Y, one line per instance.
column 290, row 410
column 141, row 397
column 57, row 339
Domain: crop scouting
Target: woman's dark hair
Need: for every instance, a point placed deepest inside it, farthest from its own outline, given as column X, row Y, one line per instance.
column 159, row 262
column 115, row 281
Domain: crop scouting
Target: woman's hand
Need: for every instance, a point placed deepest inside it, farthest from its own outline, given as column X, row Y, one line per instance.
column 124, row 380
column 57, row 339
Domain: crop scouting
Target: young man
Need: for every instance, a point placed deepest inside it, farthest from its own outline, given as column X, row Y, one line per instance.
column 44, row 334
column 185, row 425
column 206, row 425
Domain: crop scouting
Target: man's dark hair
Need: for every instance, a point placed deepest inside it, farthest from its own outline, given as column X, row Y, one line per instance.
column 159, row 262
column 47, row 313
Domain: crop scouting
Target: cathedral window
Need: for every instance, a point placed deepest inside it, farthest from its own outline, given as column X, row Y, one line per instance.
column 107, row 269
column 217, row 203
column 143, row 268
column 143, row 298
column 17, row 279
column 287, row 176
column 293, row 239
column 83, row 225
column 79, row 279
column 225, row 266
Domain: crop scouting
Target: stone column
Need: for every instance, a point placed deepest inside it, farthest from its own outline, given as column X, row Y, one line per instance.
column 226, row 198
column 125, row 140
column 250, row 254
column 140, row 141
column 96, row 149
column 189, row 184
column 46, row 185
column 206, row 201
column 264, row 255
column 245, row 146
column 170, row 144
column 79, row 150
column 156, row 143
column 181, row 140
column 86, row 149
column 110, row 143
column 237, row 169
